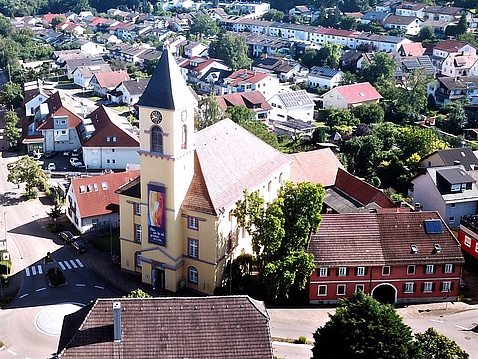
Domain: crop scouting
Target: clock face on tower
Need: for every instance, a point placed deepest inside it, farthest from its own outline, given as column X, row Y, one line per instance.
column 156, row 117
column 184, row 115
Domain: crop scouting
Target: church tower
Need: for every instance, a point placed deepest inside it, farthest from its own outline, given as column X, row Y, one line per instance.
column 166, row 123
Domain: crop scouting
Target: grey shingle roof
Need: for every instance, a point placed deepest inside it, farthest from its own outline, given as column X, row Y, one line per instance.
column 234, row 327
column 323, row 71
column 295, row 98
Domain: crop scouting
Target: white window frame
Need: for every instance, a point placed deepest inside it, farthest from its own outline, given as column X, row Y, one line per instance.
column 412, row 266
column 409, row 287
column 139, row 262
column 476, row 247
column 429, row 268
column 446, row 287
column 323, row 272
column 342, row 271
column 386, row 270
column 193, row 248
column 427, row 287
column 343, row 289
column 467, row 241
column 448, row 268
column 360, row 271
column 359, row 287
column 193, row 275
column 138, row 233
column 137, row 209
column 193, row 223
column 324, row 287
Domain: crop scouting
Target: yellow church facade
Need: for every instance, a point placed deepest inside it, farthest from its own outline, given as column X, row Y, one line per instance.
column 176, row 222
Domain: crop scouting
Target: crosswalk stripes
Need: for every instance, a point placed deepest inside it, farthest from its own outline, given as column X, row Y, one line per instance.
column 64, row 265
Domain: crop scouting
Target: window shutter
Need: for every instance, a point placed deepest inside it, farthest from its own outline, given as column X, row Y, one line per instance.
column 346, row 271
column 434, row 269
column 453, row 268
column 365, row 271
column 328, row 272
column 414, row 287
column 356, row 271
column 425, row 269
column 404, row 287
column 452, row 285
column 443, row 268
column 433, row 286
column 423, row 287
column 337, row 272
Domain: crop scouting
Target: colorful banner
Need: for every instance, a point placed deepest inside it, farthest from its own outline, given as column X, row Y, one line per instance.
column 157, row 214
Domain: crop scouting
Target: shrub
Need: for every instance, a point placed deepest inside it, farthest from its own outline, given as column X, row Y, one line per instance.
column 55, row 276
column 302, row 340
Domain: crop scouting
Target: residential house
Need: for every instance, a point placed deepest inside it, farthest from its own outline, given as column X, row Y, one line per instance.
column 127, row 52
column 449, row 190
column 447, row 47
column 83, row 75
column 410, row 25
column 308, row 12
column 128, row 92
column 293, row 128
column 444, row 13
column 253, row 100
column 350, row 194
column 284, row 69
column 62, row 56
column 375, row 17
column 70, row 27
column 293, row 104
column 72, row 63
column 447, row 89
column 147, row 56
column 387, row 6
column 324, row 77
column 412, row 49
column 407, row 64
column 247, row 80
column 235, row 325
column 92, row 48
column 350, row 96
column 54, row 125
column 412, row 9
column 195, row 49
column 108, row 38
column 102, row 82
column 468, row 235
column 34, row 94
column 177, row 227
column 92, row 203
column 460, row 65
column 213, row 80
column 398, row 258
column 193, row 69
column 109, row 141
column 260, row 44
column 452, row 156
column 47, row 18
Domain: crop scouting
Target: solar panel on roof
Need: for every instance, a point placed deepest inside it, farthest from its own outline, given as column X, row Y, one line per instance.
column 433, row 226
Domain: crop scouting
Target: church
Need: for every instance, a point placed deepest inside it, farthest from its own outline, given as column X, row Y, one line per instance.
column 176, row 222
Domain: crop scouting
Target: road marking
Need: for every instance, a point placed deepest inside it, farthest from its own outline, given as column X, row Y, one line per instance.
column 34, row 271
column 27, row 271
column 40, row 289
column 80, row 285
column 73, row 263
column 460, row 327
column 79, row 262
column 12, row 352
column 436, row 320
column 99, row 287
column 23, row 295
column 67, row 265
column 61, row 266
column 40, row 270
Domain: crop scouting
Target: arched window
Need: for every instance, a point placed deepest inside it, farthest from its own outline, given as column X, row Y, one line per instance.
column 184, row 137
column 157, row 140
column 193, row 275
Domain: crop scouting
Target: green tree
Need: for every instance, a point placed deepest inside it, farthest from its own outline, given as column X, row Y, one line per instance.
column 457, row 120
column 336, row 117
column 329, row 55
column 204, row 25
column 208, row 113
column 280, row 234
column 380, row 70
column 462, row 27
column 363, row 328
column 438, row 346
column 12, row 132
column 427, row 33
column 26, row 170
column 310, row 58
column 363, row 155
column 232, row 50
column 372, row 113
column 138, row 293
column 240, row 114
column 11, row 95
column 56, row 21
column 260, row 130
column 273, row 15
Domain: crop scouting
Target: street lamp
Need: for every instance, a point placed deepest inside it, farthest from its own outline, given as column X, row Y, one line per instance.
column 5, row 229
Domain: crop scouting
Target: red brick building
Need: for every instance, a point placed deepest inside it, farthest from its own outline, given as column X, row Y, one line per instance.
column 468, row 235
column 397, row 257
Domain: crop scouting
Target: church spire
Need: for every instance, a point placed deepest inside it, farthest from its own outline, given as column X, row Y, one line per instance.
column 167, row 89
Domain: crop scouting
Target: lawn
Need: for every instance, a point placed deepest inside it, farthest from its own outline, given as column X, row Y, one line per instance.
column 102, row 243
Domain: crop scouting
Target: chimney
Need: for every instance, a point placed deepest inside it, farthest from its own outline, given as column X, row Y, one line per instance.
column 418, row 207
column 117, row 322
column 456, row 163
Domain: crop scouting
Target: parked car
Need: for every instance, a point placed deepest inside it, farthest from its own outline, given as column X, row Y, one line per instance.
column 67, row 153
column 66, row 236
column 75, row 162
column 50, row 154
column 51, row 167
column 37, row 155
column 79, row 246
column 76, row 152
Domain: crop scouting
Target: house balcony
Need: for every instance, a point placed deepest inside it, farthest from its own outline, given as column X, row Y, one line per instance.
column 470, row 222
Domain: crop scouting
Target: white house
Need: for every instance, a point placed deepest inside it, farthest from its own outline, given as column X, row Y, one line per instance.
column 294, row 104
column 324, row 77
column 83, row 75
column 349, row 96
column 411, row 25
column 129, row 92
column 108, row 140
column 246, row 80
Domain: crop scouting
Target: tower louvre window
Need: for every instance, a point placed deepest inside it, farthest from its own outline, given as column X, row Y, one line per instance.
column 157, row 140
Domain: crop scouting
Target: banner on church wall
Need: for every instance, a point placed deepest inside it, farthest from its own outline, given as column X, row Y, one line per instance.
column 157, row 214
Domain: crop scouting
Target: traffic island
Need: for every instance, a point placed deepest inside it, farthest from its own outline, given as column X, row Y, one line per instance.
column 55, row 277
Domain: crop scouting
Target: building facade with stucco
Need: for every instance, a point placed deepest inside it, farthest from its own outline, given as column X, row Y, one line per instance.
column 176, row 224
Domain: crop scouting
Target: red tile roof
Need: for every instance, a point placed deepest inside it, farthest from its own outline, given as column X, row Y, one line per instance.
column 335, row 32
column 356, row 239
column 95, row 196
column 243, row 75
column 233, row 327
column 413, row 49
column 60, row 104
column 111, row 79
column 202, row 63
column 253, row 100
column 357, row 93
column 361, row 190
column 319, row 166
column 450, row 45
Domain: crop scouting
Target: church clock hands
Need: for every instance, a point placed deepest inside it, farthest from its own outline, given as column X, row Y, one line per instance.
column 156, row 117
